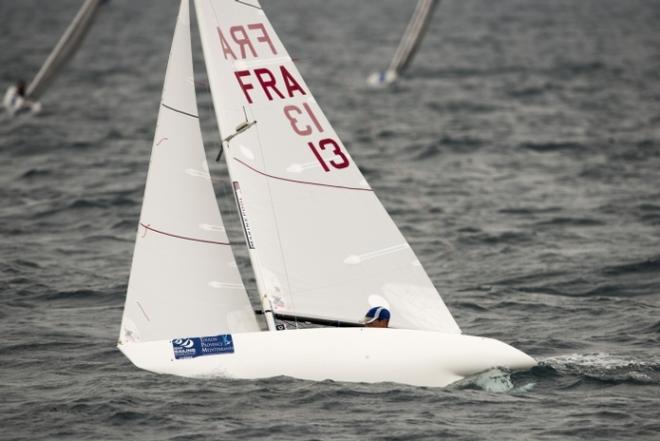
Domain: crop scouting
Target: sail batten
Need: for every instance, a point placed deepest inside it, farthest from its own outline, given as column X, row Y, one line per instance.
column 180, row 111
column 178, row 236
column 297, row 181
column 184, row 280
column 320, row 241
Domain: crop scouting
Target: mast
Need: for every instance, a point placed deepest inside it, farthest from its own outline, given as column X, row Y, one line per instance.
column 413, row 35
column 409, row 44
column 64, row 49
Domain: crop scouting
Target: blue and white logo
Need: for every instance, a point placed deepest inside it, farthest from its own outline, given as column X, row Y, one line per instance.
column 185, row 347
column 197, row 346
column 185, row 343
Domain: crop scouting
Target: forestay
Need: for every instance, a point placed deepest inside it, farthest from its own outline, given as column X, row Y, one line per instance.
column 184, row 280
column 321, row 243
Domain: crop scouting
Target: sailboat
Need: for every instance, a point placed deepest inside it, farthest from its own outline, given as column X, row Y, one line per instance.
column 17, row 100
column 410, row 42
column 321, row 245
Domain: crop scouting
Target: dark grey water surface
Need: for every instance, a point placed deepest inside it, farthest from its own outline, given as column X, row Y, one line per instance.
column 520, row 157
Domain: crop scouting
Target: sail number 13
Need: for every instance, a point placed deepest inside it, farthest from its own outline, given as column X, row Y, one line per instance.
column 339, row 161
column 304, row 122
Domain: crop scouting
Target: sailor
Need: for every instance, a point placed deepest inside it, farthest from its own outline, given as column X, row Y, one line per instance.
column 15, row 99
column 377, row 317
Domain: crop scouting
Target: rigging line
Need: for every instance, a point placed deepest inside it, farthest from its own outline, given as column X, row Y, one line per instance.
column 143, row 311
column 277, row 230
column 179, row 111
column 297, row 181
column 336, row 323
column 176, row 236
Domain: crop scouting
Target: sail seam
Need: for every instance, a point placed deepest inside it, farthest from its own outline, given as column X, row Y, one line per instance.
column 176, row 236
column 247, row 4
column 297, row 181
column 179, row 111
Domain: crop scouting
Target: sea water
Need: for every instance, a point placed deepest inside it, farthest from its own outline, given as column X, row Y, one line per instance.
column 520, row 156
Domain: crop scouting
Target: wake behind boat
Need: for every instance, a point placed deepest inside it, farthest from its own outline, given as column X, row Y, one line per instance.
column 322, row 247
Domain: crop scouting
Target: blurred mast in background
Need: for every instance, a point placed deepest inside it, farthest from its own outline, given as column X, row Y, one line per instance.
column 412, row 38
column 65, row 48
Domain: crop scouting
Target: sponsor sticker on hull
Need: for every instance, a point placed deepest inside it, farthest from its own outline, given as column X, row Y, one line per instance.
column 191, row 347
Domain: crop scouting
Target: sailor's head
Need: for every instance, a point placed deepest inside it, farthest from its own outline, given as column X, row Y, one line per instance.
column 20, row 87
column 377, row 317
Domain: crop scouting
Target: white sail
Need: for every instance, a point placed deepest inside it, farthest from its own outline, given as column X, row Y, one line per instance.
column 65, row 48
column 184, row 280
column 321, row 243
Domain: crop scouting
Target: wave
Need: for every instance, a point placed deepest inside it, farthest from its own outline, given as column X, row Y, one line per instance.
column 445, row 144
column 650, row 265
column 553, row 146
column 494, row 380
column 500, row 237
column 82, row 297
column 625, row 280
column 603, row 367
column 567, row 372
column 572, row 222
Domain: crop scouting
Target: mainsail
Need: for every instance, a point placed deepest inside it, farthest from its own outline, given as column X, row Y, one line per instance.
column 320, row 241
column 65, row 48
column 184, row 280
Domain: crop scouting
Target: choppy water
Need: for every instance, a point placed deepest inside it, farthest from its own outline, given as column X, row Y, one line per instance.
column 521, row 158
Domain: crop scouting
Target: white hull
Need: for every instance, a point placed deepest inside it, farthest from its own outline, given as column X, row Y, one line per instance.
column 419, row 358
